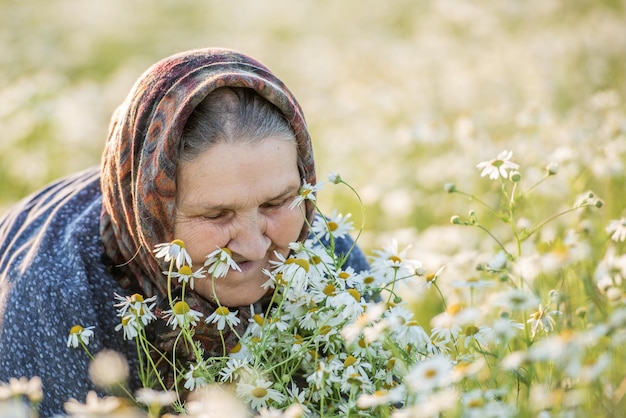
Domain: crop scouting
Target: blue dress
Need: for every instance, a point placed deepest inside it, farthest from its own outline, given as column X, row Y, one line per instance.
column 52, row 277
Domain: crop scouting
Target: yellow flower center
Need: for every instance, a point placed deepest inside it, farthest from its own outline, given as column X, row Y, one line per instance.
column 316, row 259
column 430, row 373
column 178, row 242
column 355, row 379
column 454, row 308
column 236, row 348
column 394, row 259
column 325, row 329
column 181, row 308
column 390, row 363
column 355, row 294
column 343, row 275
column 185, row 270
column 349, row 361
column 329, row 290
column 369, row 280
column 227, row 251
column 332, row 226
column 136, row 298
column 222, row 310
column 476, row 403
column 299, row 261
column 258, row 319
column 259, row 392
column 76, row 329
column 471, row 330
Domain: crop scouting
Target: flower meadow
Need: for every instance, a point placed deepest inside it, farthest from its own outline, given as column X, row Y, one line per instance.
column 486, row 139
column 536, row 331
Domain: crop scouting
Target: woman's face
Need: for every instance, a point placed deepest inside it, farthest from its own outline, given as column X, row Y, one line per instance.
column 238, row 196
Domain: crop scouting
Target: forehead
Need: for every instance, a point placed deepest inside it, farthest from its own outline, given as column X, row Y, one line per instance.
column 237, row 174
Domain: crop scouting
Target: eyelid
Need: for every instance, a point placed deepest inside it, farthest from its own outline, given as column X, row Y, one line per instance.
column 277, row 203
column 214, row 216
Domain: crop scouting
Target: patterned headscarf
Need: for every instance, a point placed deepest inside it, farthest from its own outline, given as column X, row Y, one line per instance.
column 139, row 162
column 141, row 153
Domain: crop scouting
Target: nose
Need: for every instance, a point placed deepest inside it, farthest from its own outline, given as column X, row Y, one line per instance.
column 248, row 238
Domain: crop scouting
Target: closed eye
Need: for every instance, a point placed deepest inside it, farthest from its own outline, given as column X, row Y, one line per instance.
column 216, row 216
column 277, row 203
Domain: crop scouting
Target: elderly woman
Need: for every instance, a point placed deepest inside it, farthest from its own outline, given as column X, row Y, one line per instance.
column 209, row 148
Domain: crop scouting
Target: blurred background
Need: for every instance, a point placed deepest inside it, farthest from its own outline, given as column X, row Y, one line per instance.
column 402, row 96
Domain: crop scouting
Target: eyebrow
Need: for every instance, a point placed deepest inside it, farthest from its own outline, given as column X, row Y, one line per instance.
column 292, row 188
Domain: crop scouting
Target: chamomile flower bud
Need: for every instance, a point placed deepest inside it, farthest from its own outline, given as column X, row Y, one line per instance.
column 552, row 168
column 108, row 368
column 334, row 177
column 450, row 187
column 515, row 176
column 455, row 220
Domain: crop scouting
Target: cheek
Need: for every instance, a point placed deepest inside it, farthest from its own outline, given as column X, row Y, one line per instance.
column 200, row 240
column 285, row 226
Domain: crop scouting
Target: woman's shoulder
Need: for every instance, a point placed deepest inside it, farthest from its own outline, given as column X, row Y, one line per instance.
column 65, row 197
column 59, row 221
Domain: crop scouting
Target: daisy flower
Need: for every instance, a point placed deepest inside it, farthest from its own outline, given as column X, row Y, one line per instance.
column 219, row 263
column 174, row 250
column 195, row 376
column 93, row 406
column 129, row 325
column 390, row 262
column 542, row 319
column 337, row 226
column 234, row 369
column 307, row 192
column 181, row 315
column 31, row 388
column 151, row 397
column 504, row 329
column 432, row 373
column 516, row 299
column 618, row 229
column 186, row 275
column 483, row 335
column 222, row 316
column 498, row 167
column 136, row 305
column 294, row 272
column 405, row 329
column 79, row 335
column 380, row 397
column 259, row 394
